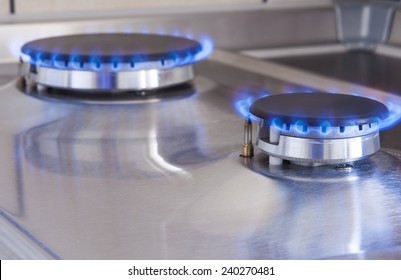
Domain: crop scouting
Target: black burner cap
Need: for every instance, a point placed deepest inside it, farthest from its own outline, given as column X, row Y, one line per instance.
column 109, row 47
column 314, row 109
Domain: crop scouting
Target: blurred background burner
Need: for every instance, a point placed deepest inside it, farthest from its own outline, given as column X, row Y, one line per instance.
column 318, row 128
column 109, row 63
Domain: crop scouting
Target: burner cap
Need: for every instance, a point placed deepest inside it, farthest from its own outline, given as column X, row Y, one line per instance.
column 112, row 48
column 316, row 108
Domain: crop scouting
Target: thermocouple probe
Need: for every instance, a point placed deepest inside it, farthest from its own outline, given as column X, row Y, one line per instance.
column 247, row 146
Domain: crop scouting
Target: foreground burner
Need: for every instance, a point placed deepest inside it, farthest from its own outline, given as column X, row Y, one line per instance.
column 110, row 62
column 318, row 128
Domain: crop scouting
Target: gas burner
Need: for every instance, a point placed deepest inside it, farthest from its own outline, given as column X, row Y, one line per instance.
column 318, row 128
column 107, row 63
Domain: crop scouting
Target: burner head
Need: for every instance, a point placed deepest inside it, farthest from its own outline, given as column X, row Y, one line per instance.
column 318, row 128
column 314, row 109
column 110, row 62
column 112, row 49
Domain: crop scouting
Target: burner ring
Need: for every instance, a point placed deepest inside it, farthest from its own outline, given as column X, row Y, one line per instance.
column 104, row 62
column 318, row 128
column 321, row 151
column 147, row 79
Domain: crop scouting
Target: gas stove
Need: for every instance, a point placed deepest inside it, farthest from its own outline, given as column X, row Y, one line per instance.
column 143, row 145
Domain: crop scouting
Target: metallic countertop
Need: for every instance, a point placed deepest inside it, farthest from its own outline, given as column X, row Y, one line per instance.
column 164, row 180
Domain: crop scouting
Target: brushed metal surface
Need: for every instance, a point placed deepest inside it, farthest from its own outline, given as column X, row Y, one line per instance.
column 164, row 180
column 17, row 244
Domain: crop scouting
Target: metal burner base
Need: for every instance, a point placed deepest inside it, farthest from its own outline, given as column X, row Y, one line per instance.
column 105, row 98
column 318, row 151
column 146, row 79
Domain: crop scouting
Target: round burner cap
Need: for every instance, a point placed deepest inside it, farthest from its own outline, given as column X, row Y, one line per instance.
column 316, row 108
column 112, row 48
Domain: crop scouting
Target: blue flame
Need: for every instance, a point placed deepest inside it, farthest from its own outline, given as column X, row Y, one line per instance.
column 174, row 59
column 301, row 127
column 39, row 58
column 115, row 62
column 207, row 48
column 325, row 127
column 243, row 101
column 277, row 124
column 394, row 118
column 294, row 89
column 95, row 62
column 176, row 33
column 76, row 62
column 393, row 104
column 57, row 61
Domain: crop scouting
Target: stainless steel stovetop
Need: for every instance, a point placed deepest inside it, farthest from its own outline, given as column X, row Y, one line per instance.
column 163, row 179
